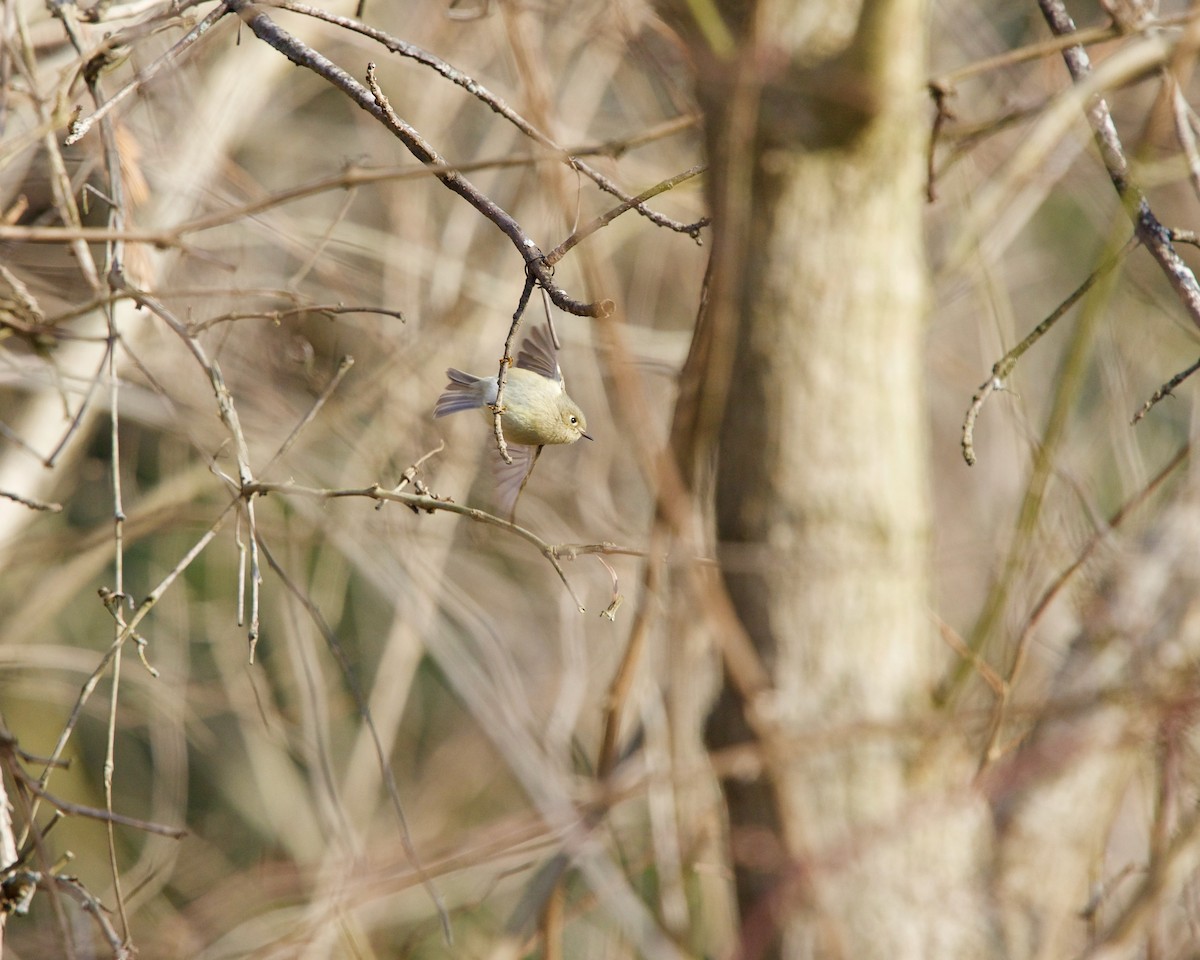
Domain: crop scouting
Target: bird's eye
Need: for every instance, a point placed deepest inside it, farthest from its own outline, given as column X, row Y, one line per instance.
column 574, row 419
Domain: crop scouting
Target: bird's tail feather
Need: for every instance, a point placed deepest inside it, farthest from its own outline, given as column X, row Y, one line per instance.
column 460, row 394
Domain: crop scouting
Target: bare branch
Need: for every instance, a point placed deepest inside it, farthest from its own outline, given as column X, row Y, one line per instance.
column 1166, row 390
column 1150, row 231
column 1003, row 688
column 299, row 53
column 606, row 218
column 428, row 504
column 364, row 710
column 505, row 362
column 498, row 105
column 7, row 747
column 80, row 127
column 31, row 502
column 1004, row 366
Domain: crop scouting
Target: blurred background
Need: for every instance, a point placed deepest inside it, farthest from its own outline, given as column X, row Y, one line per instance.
column 284, row 229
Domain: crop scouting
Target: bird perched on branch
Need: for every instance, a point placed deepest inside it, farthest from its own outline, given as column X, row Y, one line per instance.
column 536, row 410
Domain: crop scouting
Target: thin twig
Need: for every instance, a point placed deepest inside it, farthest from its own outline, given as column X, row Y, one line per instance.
column 961, row 649
column 570, row 551
column 621, row 685
column 1004, row 366
column 1181, row 114
column 278, row 316
column 16, row 233
column 121, row 950
column 409, row 476
column 80, row 127
column 1165, row 390
column 343, row 368
column 499, row 106
column 229, row 416
column 344, row 663
column 426, row 503
column 1004, row 689
column 32, row 503
column 1150, row 231
column 1166, row 873
column 941, row 95
column 95, row 813
column 114, row 255
column 77, row 419
column 606, row 218
column 505, row 362
column 1043, row 48
column 350, row 176
column 143, row 609
column 376, row 104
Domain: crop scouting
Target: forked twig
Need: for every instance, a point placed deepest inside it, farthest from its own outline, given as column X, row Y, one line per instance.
column 1149, row 229
column 376, row 104
column 499, row 106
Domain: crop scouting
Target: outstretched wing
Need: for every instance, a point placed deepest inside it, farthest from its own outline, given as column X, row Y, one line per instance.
column 538, row 354
column 512, row 477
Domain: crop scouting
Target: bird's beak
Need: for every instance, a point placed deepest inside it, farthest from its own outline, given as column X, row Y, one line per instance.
column 586, row 436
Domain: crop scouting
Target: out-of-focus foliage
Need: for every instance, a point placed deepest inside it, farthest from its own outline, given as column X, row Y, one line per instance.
column 479, row 672
column 486, row 685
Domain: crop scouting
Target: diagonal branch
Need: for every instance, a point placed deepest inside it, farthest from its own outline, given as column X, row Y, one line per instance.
column 498, row 105
column 1149, row 229
column 301, row 54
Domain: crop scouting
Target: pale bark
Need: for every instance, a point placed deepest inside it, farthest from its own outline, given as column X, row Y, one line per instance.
column 866, row 832
column 818, row 293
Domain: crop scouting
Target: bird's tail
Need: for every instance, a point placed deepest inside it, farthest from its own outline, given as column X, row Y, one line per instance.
column 460, row 394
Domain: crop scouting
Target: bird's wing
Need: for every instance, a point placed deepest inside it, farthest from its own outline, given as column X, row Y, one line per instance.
column 512, row 477
column 538, row 354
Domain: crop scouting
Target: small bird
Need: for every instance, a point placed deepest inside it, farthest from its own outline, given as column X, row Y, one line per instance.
column 537, row 410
